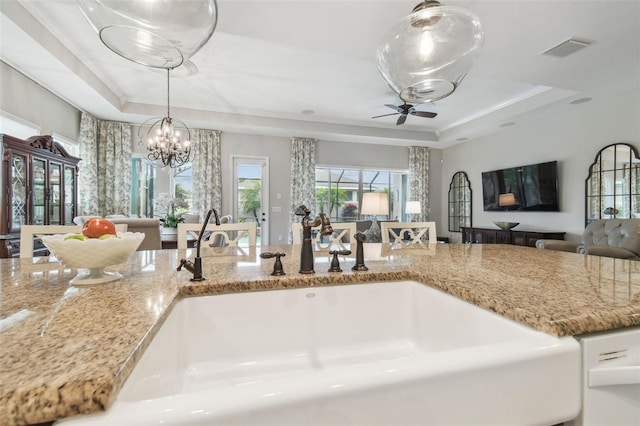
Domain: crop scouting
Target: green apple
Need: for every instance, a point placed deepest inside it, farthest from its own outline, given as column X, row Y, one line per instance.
column 106, row 236
column 75, row 237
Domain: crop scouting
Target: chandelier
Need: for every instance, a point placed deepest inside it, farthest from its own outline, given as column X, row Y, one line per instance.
column 168, row 139
column 425, row 55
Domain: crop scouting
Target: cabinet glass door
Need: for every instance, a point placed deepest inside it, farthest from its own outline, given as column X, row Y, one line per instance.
column 39, row 192
column 55, row 193
column 69, row 194
column 19, row 191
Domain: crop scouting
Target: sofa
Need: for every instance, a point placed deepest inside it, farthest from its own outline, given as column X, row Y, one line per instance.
column 619, row 238
column 149, row 227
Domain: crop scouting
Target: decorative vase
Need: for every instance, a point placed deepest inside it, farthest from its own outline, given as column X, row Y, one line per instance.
column 169, row 231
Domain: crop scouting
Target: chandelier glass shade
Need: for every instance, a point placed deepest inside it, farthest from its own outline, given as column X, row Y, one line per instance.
column 159, row 34
column 168, row 140
column 425, row 55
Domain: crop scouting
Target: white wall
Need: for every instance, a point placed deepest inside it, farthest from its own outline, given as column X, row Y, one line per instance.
column 572, row 139
column 366, row 156
column 438, row 192
column 23, row 98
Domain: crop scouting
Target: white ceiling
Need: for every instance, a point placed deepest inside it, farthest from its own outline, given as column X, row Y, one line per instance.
column 270, row 60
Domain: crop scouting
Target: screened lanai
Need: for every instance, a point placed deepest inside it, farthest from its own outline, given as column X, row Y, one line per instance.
column 339, row 191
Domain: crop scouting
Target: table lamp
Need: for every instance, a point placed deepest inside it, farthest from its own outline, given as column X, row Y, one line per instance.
column 374, row 203
column 507, row 200
column 412, row 208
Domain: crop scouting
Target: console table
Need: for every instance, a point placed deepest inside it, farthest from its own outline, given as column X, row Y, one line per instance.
column 170, row 241
column 512, row 236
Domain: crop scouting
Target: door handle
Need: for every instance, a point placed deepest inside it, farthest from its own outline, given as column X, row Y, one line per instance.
column 627, row 375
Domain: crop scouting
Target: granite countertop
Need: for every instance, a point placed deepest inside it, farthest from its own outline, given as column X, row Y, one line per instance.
column 75, row 346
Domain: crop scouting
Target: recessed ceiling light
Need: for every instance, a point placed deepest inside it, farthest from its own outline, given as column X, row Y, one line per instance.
column 580, row 101
column 508, row 124
column 308, row 111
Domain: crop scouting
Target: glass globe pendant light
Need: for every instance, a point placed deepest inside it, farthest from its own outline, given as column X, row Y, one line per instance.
column 425, row 55
column 155, row 33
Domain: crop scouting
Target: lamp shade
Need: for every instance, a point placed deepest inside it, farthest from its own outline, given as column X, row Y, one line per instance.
column 375, row 203
column 425, row 56
column 158, row 34
column 508, row 199
column 413, row 207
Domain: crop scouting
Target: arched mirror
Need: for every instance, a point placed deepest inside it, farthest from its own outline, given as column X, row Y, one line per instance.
column 613, row 184
column 459, row 202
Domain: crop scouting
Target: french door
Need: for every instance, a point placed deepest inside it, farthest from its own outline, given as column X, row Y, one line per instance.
column 251, row 193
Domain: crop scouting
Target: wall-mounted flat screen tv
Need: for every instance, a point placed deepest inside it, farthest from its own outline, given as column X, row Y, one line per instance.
column 533, row 187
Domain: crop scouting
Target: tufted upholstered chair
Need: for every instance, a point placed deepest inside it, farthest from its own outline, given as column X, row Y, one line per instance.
column 618, row 238
column 150, row 227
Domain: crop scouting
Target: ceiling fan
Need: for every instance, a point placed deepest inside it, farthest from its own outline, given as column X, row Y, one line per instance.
column 404, row 110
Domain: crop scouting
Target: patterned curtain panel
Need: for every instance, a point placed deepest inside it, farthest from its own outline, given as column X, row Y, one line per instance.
column 303, row 177
column 114, row 168
column 207, row 171
column 88, row 167
column 419, row 179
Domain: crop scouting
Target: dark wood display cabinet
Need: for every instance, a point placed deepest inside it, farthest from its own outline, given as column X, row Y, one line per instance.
column 39, row 187
column 501, row 236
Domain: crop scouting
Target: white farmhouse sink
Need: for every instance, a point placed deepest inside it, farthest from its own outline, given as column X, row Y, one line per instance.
column 391, row 353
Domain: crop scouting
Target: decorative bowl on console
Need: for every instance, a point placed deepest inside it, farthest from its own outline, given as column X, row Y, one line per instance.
column 506, row 225
column 93, row 254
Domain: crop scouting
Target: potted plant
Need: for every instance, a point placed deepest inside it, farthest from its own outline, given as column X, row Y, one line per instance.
column 172, row 219
column 611, row 211
column 175, row 207
column 350, row 211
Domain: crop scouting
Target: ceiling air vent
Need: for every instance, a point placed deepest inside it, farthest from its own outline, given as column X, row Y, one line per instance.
column 566, row 48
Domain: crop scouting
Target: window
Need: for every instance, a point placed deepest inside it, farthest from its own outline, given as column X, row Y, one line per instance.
column 143, row 178
column 71, row 146
column 23, row 129
column 613, row 184
column 183, row 186
column 459, row 202
column 148, row 199
column 17, row 127
column 339, row 191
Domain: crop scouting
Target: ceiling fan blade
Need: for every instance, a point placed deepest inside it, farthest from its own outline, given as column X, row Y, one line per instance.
column 386, row 115
column 401, row 119
column 425, row 114
column 394, row 107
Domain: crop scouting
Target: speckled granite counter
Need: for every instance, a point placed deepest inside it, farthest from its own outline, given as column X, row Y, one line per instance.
column 76, row 346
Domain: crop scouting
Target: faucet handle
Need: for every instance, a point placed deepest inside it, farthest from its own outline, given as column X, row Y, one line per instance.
column 335, row 263
column 325, row 225
column 360, row 266
column 194, row 267
column 277, row 266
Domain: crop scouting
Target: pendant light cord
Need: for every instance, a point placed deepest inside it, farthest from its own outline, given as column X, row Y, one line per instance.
column 168, row 70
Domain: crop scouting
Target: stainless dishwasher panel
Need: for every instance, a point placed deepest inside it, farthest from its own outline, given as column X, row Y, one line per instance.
column 611, row 378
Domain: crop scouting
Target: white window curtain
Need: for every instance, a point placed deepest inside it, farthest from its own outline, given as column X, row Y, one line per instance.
column 419, row 179
column 303, row 177
column 105, row 169
column 207, row 171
